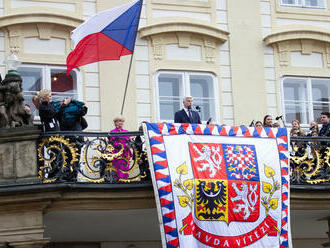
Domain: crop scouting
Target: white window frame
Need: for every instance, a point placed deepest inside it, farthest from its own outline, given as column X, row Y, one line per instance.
column 186, row 92
column 309, row 100
column 46, row 82
column 302, row 4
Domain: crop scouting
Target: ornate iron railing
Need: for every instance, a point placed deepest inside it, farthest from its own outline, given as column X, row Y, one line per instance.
column 92, row 157
column 122, row 158
column 309, row 160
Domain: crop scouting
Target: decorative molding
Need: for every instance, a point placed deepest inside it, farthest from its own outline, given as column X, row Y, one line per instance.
column 294, row 38
column 210, row 46
column 307, row 47
column 191, row 3
column 298, row 34
column 283, row 50
column 184, row 34
column 327, row 52
column 16, row 34
column 219, row 35
column 158, row 47
column 45, row 30
column 39, row 18
column 184, row 39
column 15, row 42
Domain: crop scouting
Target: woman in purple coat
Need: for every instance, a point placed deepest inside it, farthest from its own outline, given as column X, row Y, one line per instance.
column 121, row 163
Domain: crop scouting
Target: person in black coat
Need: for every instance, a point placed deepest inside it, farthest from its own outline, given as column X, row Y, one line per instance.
column 325, row 120
column 49, row 115
column 187, row 115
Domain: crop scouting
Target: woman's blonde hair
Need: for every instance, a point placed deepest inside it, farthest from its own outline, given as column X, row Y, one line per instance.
column 42, row 93
column 119, row 118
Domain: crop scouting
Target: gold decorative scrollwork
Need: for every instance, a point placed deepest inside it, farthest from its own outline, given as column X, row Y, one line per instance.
column 95, row 160
column 99, row 156
column 57, row 157
column 310, row 163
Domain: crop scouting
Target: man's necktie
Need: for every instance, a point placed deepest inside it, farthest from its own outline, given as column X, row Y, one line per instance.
column 190, row 115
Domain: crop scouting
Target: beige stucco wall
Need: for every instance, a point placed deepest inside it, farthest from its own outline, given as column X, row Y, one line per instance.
column 247, row 69
column 246, row 61
column 113, row 76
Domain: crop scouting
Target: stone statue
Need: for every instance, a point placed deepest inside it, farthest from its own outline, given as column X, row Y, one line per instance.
column 13, row 112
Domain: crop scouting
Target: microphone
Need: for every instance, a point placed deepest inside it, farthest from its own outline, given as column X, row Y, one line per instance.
column 278, row 117
column 209, row 120
column 198, row 108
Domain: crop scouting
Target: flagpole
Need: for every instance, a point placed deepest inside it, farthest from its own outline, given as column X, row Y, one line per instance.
column 126, row 86
column 130, row 64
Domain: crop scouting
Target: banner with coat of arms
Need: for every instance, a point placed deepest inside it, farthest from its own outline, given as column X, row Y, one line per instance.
column 220, row 186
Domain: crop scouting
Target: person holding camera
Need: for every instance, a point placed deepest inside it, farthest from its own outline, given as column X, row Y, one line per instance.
column 49, row 114
column 63, row 115
column 71, row 114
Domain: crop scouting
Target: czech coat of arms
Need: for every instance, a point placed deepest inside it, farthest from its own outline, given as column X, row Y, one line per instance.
column 226, row 188
column 226, row 182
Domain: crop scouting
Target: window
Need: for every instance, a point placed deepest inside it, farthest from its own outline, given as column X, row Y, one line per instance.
column 304, row 3
column 37, row 77
column 172, row 87
column 305, row 98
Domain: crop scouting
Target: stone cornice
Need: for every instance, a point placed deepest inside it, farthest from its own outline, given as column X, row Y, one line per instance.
column 184, row 26
column 19, row 134
column 50, row 197
column 39, row 18
column 298, row 33
column 312, row 197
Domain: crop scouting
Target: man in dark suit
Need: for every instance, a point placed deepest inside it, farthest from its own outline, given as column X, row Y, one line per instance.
column 187, row 115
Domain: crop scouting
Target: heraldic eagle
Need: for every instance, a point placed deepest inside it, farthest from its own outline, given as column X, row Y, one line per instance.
column 210, row 198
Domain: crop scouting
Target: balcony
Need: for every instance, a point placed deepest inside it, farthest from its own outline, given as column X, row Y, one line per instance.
column 92, row 158
column 98, row 157
column 71, row 180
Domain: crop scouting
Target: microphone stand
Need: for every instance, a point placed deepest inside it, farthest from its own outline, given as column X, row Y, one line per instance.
column 281, row 117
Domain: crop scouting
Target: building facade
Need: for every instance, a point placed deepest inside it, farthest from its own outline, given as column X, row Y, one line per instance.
column 239, row 59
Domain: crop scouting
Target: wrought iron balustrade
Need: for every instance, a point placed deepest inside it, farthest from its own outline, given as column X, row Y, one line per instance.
column 122, row 158
column 309, row 160
column 92, row 157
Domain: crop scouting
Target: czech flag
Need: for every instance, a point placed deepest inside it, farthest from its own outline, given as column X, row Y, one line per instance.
column 108, row 35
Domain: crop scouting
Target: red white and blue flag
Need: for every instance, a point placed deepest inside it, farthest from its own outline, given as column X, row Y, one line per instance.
column 108, row 35
column 220, row 186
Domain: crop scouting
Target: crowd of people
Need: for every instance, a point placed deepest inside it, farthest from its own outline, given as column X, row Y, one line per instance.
column 296, row 129
column 68, row 115
column 187, row 115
